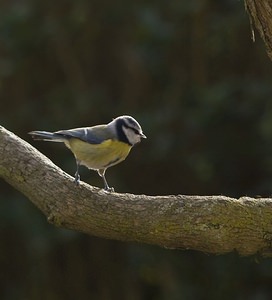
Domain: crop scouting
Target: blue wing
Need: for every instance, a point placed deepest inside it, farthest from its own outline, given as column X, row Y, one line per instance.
column 93, row 135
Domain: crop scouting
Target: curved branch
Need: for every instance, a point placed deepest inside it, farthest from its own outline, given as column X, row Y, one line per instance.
column 260, row 14
column 213, row 224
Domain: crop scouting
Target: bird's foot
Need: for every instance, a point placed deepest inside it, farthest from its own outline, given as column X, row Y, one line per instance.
column 109, row 189
column 77, row 179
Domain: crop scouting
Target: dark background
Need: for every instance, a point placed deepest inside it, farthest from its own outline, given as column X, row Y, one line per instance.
column 189, row 72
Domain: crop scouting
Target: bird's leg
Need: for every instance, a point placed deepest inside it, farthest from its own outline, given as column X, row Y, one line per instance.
column 77, row 176
column 101, row 172
column 106, row 186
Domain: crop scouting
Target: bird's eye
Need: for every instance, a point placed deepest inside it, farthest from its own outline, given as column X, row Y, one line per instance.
column 134, row 130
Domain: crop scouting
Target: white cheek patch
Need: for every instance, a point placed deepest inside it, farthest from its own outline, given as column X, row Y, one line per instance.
column 132, row 137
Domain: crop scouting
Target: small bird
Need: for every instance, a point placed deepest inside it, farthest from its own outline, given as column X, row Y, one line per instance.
column 98, row 147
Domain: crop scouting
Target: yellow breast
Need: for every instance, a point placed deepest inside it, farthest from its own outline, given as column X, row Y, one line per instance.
column 99, row 156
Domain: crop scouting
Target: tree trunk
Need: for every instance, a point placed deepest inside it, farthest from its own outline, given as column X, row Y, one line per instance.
column 260, row 15
column 212, row 224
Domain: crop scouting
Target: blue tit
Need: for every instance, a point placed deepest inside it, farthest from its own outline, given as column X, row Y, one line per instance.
column 98, row 147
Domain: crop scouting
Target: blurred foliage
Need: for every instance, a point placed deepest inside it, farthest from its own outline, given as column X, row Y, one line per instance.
column 201, row 89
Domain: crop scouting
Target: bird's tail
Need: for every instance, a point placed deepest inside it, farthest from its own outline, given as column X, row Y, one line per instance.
column 47, row 136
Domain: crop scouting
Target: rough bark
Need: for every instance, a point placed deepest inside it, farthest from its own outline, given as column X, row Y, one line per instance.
column 260, row 15
column 212, row 224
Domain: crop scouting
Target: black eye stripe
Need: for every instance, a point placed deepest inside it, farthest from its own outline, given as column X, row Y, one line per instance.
column 132, row 128
column 135, row 130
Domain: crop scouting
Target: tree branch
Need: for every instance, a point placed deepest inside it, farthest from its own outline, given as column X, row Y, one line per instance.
column 212, row 224
column 260, row 14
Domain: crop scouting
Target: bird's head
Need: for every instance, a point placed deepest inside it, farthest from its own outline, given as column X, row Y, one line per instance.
column 127, row 129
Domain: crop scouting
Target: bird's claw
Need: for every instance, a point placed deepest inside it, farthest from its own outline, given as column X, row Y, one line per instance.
column 77, row 179
column 109, row 189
